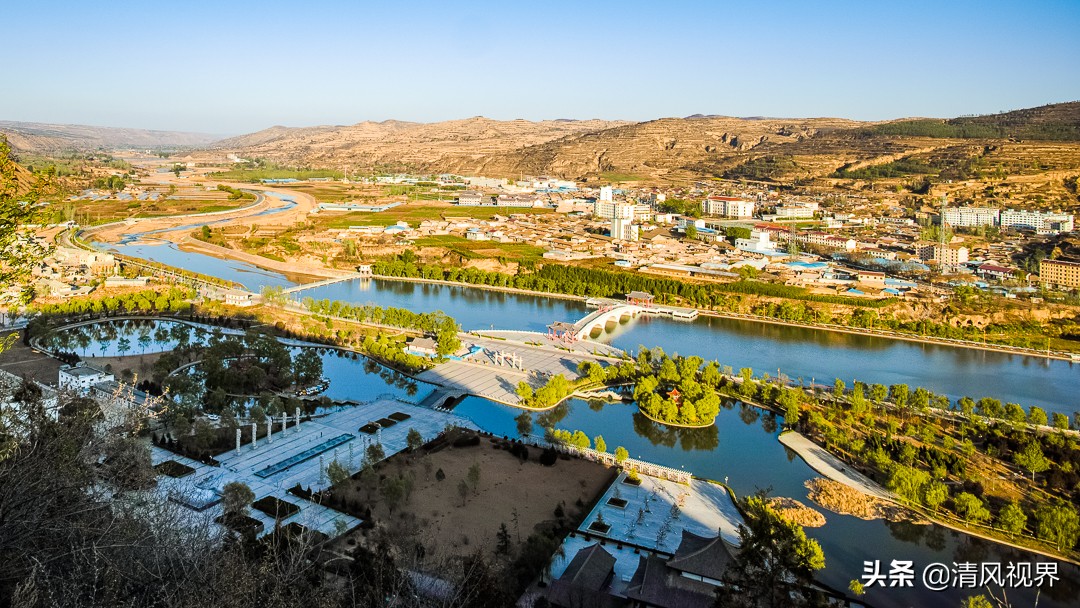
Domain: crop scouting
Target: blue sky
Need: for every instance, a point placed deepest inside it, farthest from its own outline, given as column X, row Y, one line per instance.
column 241, row 66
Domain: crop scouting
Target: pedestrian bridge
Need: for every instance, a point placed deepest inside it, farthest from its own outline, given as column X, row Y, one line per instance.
column 615, row 313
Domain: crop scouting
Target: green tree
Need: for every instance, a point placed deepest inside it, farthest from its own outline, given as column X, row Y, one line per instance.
column 1058, row 523
column 393, row 492
column 621, row 455
column 502, row 540
column 307, row 366
column 474, row 477
column 1012, row 519
column 1037, row 416
column 336, row 473
column 463, row 490
column 235, row 498
column 599, row 444
column 976, row 601
column 414, row 440
column 691, row 231
column 524, row 391
column 1031, row 458
column 970, row 507
column 775, row 564
column 1061, row 421
column 908, row 483
column 934, row 494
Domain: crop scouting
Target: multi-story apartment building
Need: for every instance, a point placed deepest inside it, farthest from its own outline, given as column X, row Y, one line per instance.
column 1059, row 273
column 728, row 206
column 942, row 254
column 1039, row 221
column 971, row 217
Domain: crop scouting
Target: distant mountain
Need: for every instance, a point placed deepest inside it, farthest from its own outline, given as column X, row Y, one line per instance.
column 51, row 138
column 1055, row 122
column 405, row 145
column 667, row 149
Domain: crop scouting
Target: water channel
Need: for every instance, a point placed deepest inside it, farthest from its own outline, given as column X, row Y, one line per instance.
column 741, row 447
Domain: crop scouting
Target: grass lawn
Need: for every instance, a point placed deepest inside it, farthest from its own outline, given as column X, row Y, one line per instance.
column 414, row 213
column 519, row 252
column 615, row 176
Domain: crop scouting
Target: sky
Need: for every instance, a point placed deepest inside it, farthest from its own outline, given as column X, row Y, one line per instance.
column 236, row 67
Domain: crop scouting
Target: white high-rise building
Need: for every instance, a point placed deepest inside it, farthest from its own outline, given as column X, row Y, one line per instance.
column 622, row 222
column 971, row 217
column 607, row 194
column 727, row 206
column 1039, row 221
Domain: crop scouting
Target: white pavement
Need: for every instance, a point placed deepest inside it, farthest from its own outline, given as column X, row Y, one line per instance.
column 648, row 520
column 311, row 436
column 483, row 374
column 832, row 467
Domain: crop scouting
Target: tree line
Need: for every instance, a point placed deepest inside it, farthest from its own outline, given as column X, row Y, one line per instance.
column 439, row 324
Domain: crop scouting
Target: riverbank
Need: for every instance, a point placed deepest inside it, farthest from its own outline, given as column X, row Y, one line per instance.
column 859, row 331
column 294, row 271
column 832, row 467
column 828, row 465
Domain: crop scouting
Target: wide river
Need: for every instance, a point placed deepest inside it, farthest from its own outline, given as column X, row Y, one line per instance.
column 742, row 447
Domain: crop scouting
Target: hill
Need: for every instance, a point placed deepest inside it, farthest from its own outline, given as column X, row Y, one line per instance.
column 1055, row 122
column 404, row 145
column 44, row 138
column 778, row 150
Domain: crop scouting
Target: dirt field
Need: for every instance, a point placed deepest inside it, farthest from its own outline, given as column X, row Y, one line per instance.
column 436, row 516
column 21, row 360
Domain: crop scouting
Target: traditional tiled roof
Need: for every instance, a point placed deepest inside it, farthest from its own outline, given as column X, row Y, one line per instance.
column 703, row 556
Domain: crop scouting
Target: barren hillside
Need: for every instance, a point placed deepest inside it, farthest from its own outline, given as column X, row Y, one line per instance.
column 42, row 138
column 682, row 149
column 434, row 146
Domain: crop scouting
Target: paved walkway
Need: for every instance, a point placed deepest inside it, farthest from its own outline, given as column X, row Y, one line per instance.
column 832, row 467
column 481, row 374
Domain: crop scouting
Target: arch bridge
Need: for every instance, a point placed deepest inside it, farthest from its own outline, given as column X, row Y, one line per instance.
column 604, row 315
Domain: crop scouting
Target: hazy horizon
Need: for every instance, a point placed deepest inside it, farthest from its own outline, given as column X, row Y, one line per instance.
column 240, row 68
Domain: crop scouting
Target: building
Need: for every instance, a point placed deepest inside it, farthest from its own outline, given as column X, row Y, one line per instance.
column 424, row 346
column 517, row 200
column 994, row 272
column 1059, row 273
column 971, row 217
column 622, row 222
column 792, row 211
column 603, row 209
column 643, row 213
column 688, row 579
column 586, row 581
column 81, row 377
column 472, row 198
column 1038, row 221
column 942, row 254
column 728, row 207
column 239, row 298
column 606, row 194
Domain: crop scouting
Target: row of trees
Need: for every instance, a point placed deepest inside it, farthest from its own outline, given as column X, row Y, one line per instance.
column 443, row 327
column 593, row 282
column 916, row 453
column 170, row 300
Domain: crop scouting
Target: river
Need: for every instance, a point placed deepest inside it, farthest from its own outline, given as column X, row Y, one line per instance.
column 742, row 447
